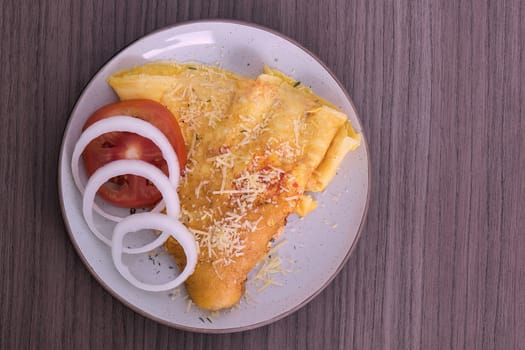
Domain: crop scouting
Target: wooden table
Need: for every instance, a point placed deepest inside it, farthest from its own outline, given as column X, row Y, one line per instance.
column 440, row 89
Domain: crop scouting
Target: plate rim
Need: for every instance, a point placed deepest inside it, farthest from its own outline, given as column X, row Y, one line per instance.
column 231, row 329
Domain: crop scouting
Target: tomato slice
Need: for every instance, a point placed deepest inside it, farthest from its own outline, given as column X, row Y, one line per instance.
column 131, row 191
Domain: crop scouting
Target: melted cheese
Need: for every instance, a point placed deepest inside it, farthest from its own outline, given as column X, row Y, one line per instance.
column 255, row 146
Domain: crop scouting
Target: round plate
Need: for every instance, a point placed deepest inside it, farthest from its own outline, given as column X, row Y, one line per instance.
column 314, row 249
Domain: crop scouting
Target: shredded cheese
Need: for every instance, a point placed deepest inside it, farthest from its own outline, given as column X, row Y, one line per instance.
column 272, row 265
column 198, row 188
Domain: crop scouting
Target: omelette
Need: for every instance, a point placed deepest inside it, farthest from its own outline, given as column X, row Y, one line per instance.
column 256, row 147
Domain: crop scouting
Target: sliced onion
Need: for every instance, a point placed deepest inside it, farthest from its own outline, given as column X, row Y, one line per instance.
column 154, row 221
column 133, row 167
column 125, row 124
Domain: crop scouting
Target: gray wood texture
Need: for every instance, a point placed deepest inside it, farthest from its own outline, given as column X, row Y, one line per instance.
column 440, row 88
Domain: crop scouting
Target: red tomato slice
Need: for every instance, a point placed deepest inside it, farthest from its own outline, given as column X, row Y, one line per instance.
column 132, row 191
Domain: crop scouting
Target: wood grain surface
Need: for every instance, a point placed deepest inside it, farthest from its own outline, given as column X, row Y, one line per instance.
column 440, row 88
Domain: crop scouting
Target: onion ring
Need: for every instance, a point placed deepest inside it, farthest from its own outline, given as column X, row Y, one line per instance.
column 125, row 124
column 134, row 167
column 156, row 221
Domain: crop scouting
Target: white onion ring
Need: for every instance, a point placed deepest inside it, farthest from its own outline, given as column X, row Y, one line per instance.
column 134, row 167
column 156, row 221
column 126, row 124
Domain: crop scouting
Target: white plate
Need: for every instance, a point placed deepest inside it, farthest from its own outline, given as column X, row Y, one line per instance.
column 317, row 246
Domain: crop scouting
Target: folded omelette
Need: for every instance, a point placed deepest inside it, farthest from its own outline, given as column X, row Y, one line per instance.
column 255, row 148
